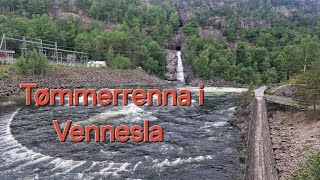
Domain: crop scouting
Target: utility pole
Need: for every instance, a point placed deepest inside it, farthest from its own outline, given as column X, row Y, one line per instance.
column 5, row 47
column 24, row 47
column 56, row 52
column 2, row 40
column 4, row 44
column 40, row 48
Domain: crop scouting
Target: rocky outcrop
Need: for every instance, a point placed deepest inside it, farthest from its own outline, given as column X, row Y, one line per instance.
column 172, row 61
column 283, row 11
column 58, row 12
column 288, row 90
column 209, row 31
column 248, row 23
column 218, row 21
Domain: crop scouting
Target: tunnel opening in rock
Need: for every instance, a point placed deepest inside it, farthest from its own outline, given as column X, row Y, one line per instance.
column 178, row 48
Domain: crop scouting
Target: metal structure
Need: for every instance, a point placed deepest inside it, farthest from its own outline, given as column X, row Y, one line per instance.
column 48, row 49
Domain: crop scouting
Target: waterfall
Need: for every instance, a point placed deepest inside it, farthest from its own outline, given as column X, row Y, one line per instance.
column 180, row 74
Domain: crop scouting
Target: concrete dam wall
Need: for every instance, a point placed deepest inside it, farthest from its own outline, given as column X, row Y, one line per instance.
column 260, row 163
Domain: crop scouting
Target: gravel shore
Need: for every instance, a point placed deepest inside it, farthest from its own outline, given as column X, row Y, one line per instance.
column 77, row 77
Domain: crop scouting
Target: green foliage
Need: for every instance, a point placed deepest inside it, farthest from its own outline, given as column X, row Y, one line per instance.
column 246, row 97
column 309, row 89
column 269, row 49
column 311, row 170
column 18, row 99
column 33, row 64
column 120, row 62
column 31, row 7
column 211, row 59
column 191, row 26
column 43, row 27
column 143, row 52
column 3, row 72
column 174, row 20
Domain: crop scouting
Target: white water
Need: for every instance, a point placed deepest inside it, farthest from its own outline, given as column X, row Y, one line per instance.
column 180, row 74
column 18, row 159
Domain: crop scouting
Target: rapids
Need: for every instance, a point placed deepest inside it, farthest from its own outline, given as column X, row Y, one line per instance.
column 199, row 143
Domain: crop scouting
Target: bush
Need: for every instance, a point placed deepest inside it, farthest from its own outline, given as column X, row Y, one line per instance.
column 246, row 97
column 3, row 74
column 120, row 62
column 18, row 99
column 311, row 170
column 33, row 64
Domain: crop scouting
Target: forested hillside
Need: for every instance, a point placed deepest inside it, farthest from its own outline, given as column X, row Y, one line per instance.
column 259, row 41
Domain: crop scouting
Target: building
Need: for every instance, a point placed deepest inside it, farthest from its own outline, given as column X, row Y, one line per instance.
column 7, row 55
column 96, row 64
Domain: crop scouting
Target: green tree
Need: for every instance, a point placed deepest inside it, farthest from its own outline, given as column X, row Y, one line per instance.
column 37, row 7
column 191, row 26
column 247, row 96
column 33, row 64
column 110, row 55
column 43, row 27
column 120, row 62
column 174, row 20
column 309, row 89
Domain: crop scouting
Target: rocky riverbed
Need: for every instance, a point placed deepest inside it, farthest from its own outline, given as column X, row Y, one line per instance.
column 76, row 77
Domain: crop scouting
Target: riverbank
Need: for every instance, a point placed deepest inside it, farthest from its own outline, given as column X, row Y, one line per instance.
column 215, row 83
column 75, row 77
column 87, row 77
column 294, row 138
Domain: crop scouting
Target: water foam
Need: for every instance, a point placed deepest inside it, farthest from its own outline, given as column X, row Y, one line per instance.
column 13, row 153
column 180, row 73
column 179, row 161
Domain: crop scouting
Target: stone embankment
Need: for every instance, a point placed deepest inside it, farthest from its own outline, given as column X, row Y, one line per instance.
column 253, row 122
column 278, row 142
column 260, row 162
column 78, row 77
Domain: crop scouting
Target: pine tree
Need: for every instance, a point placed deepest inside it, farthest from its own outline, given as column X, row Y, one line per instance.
column 174, row 20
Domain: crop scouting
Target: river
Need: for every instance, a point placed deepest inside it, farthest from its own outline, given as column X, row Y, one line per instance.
column 198, row 143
